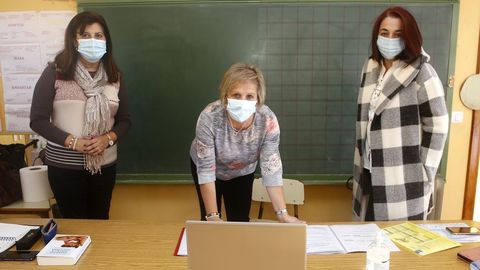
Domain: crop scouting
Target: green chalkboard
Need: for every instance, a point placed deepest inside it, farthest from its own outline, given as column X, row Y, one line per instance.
column 173, row 56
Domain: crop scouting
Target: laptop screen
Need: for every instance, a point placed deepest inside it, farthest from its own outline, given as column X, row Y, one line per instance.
column 246, row 245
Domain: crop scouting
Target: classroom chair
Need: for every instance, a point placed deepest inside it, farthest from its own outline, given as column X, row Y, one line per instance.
column 293, row 190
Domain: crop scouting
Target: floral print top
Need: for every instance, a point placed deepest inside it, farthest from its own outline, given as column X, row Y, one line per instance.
column 221, row 152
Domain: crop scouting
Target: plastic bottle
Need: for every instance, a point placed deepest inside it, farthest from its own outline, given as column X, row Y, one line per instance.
column 378, row 254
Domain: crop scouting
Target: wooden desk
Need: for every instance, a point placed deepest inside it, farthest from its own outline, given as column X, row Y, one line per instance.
column 41, row 209
column 146, row 245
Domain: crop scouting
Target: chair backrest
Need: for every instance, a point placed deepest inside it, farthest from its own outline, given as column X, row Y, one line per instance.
column 293, row 190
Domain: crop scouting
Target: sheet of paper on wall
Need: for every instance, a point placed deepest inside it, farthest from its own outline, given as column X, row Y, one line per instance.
column 21, row 58
column 49, row 51
column 441, row 228
column 419, row 240
column 17, row 117
column 19, row 27
column 53, row 25
column 18, row 88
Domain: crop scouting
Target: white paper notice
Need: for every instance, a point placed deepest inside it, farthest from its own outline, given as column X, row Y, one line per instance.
column 49, row 51
column 320, row 239
column 357, row 238
column 53, row 25
column 18, row 27
column 18, row 88
column 17, row 117
column 21, row 58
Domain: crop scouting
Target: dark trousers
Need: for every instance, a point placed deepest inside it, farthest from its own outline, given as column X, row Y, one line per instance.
column 368, row 190
column 80, row 194
column 236, row 193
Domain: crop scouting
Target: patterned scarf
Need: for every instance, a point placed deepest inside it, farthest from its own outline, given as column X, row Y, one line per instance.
column 97, row 110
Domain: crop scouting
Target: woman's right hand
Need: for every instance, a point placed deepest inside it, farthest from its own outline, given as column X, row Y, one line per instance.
column 82, row 145
column 215, row 219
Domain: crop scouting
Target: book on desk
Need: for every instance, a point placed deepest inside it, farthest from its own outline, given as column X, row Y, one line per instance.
column 63, row 250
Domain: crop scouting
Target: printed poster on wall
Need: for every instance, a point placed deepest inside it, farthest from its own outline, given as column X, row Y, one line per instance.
column 29, row 40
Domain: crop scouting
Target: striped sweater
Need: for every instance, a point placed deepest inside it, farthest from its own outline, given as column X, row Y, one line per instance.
column 58, row 110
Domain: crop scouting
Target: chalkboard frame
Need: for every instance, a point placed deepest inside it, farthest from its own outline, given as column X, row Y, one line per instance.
column 140, row 178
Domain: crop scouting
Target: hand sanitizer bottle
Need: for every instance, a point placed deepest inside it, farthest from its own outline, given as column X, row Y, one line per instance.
column 378, row 254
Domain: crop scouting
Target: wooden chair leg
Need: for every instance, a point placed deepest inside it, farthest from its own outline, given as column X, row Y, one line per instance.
column 260, row 211
column 295, row 210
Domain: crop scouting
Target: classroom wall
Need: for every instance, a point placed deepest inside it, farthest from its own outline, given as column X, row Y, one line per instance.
column 465, row 65
column 322, row 203
column 179, row 202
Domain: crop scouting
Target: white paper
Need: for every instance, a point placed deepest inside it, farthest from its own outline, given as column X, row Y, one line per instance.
column 321, row 240
column 49, row 51
column 53, row 24
column 357, row 238
column 17, row 117
column 18, row 88
column 21, row 58
column 9, row 233
column 441, row 230
column 182, row 249
column 19, row 27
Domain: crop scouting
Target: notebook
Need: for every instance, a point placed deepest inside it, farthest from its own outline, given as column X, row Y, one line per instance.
column 10, row 233
column 246, row 245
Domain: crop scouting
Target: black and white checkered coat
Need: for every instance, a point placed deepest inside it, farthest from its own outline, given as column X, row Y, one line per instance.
column 407, row 135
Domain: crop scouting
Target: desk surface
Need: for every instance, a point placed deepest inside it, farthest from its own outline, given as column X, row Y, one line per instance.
column 121, row 244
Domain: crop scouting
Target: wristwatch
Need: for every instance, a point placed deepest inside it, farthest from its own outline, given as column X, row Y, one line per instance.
column 110, row 141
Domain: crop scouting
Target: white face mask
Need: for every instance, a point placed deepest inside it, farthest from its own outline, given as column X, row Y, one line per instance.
column 92, row 49
column 390, row 47
column 241, row 110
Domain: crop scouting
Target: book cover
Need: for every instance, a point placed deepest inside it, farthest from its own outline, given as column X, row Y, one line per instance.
column 63, row 250
column 470, row 254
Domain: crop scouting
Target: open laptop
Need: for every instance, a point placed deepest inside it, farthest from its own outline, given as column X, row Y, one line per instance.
column 246, row 245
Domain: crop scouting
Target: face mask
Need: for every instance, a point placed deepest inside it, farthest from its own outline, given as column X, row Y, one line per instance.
column 390, row 47
column 241, row 110
column 92, row 49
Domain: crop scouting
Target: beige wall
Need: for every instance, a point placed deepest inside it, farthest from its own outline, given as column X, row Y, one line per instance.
column 179, row 202
column 465, row 65
column 322, row 203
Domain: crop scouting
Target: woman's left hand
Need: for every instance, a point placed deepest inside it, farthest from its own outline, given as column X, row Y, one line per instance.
column 97, row 145
column 286, row 218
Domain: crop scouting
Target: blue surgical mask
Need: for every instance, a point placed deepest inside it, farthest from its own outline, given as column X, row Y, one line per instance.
column 390, row 47
column 92, row 49
column 241, row 110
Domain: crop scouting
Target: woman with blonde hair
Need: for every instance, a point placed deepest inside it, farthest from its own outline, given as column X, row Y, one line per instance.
column 233, row 134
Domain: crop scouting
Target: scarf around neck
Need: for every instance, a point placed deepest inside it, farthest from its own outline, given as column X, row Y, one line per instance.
column 97, row 110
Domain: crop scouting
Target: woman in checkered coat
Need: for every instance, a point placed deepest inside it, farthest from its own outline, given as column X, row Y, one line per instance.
column 402, row 124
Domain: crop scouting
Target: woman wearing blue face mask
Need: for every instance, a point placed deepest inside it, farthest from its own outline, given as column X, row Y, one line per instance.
column 402, row 124
column 80, row 106
column 232, row 135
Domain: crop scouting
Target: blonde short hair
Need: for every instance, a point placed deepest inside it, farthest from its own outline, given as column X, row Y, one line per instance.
column 238, row 73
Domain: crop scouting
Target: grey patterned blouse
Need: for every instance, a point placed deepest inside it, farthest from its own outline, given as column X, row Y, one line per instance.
column 221, row 152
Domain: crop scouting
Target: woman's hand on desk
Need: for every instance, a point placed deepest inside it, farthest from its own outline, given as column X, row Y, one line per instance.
column 286, row 218
column 215, row 219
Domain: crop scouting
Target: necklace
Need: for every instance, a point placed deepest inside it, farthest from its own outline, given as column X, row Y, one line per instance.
column 245, row 125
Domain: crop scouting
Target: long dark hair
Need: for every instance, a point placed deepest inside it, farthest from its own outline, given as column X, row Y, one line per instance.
column 67, row 59
column 411, row 35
